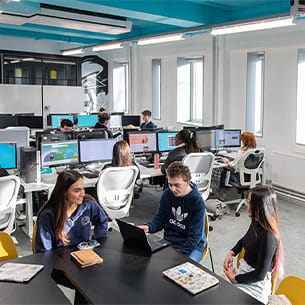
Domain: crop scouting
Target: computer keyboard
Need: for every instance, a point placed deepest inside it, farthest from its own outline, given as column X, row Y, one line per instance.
column 154, row 241
column 90, row 173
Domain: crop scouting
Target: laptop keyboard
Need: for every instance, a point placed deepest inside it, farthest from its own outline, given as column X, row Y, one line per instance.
column 154, row 241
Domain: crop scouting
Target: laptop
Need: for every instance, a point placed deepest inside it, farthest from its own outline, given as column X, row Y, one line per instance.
column 135, row 236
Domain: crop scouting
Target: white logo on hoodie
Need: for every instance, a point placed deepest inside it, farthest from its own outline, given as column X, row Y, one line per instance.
column 179, row 217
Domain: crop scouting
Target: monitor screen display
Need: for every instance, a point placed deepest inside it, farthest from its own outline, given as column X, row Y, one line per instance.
column 59, row 153
column 95, row 150
column 30, row 121
column 205, row 139
column 134, row 120
column 8, row 155
column 115, row 121
column 89, row 120
column 166, row 140
column 57, row 118
column 228, row 138
column 140, row 142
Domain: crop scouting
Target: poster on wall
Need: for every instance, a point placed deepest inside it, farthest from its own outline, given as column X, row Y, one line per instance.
column 95, row 83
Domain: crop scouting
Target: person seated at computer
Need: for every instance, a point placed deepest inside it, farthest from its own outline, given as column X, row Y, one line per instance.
column 66, row 218
column 181, row 213
column 103, row 119
column 102, row 109
column 262, row 243
column 121, row 156
column 66, row 125
column 248, row 141
column 185, row 144
column 146, row 116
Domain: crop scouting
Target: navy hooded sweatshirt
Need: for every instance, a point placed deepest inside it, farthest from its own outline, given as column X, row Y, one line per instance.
column 182, row 219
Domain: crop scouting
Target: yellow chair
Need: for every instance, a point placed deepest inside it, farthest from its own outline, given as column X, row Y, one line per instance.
column 274, row 279
column 293, row 288
column 34, row 237
column 207, row 249
column 7, row 247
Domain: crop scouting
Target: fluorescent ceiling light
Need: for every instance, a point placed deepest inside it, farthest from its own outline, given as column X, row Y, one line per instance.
column 105, row 47
column 160, row 39
column 72, row 51
column 253, row 26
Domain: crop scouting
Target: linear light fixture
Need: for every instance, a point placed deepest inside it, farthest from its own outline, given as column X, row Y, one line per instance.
column 254, row 26
column 105, row 47
column 160, row 39
column 73, row 51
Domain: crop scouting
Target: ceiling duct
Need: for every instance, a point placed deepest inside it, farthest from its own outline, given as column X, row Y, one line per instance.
column 62, row 17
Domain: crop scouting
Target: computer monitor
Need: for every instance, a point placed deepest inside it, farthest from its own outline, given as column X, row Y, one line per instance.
column 57, row 118
column 84, row 120
column 228, row 138
column 59, row 153
column 115, row 121
column 19, row 136
column 95, row 150
column 90, row 134
column 140, row 142
column 126, row 132
column 7, row 121
column 8, row 155
column 31, row 121
column 134, row 120
column 205, row 139
column 166, row 140
column 48, row 137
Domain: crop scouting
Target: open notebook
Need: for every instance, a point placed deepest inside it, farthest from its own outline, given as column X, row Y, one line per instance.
column 16, row 272
column 191, row 277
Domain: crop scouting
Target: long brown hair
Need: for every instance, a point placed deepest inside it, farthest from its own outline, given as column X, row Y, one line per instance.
column 58, row 204
column 248, row 139
column 121, row 155
column 264, row 210
column 188, row 137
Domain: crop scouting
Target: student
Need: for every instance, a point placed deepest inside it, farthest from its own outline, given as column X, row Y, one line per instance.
column 181, row 213
column 66, row 125
column 248, row 141
column 263, row 247
column 121, row 156
column 146, row 116
column 66, row 218
column 103, row 119
column 102, row 109
column 186, row 144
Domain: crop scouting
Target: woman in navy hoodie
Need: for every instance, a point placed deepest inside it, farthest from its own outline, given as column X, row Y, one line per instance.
column 181, row 213
column 66, row 218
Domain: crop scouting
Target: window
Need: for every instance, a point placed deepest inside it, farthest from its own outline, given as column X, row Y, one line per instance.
column 300, row 128
column 255, row 92
column 120, row 86
column 156, row 89
column 190, row 89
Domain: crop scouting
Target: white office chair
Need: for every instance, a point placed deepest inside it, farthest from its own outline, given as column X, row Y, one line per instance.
column 9, row 187
column 115, row 191
column 201, row 166
column 250, row 169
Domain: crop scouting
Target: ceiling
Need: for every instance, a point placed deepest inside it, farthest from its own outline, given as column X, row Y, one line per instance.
column 83, row 21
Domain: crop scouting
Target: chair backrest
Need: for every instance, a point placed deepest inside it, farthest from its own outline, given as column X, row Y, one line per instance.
column 115, row 189
column 201, row 166
column 206, row 232
column 293, row 288
column 250, row 167
column 274, row 278
column 7, row 247
column 34, row 237
column 9, row 187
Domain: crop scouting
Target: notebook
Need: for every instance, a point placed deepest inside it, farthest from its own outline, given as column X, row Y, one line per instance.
column 191, row 277
column 135, row 236
column 16, row 272
column 86, row 257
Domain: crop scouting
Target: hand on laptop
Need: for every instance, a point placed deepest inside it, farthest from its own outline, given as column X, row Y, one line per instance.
column 145, row 228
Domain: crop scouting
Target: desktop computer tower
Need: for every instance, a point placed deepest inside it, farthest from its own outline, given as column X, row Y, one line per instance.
column 29, row 164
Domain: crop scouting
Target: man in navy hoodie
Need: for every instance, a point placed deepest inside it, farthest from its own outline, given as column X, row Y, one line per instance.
column 181, row 213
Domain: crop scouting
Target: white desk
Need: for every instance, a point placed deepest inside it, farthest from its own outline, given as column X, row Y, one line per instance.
column 28, row 189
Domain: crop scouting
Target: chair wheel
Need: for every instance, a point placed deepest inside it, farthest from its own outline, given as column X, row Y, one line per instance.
column 237, row 214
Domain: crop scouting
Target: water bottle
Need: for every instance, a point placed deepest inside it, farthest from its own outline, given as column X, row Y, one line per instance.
column 156, row 161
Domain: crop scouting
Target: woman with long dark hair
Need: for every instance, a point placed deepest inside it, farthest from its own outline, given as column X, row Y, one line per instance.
column 185, row 144
column 263, row 257
column 66, row 218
